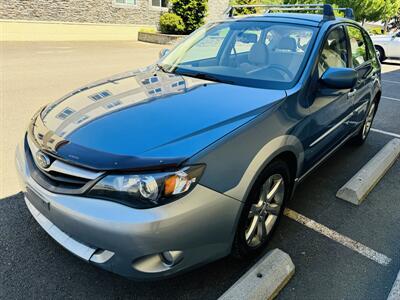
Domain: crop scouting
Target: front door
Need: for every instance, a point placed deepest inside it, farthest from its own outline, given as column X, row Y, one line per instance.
column 363, row 60
column 330, row 108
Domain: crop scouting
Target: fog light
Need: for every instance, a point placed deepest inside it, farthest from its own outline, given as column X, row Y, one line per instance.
column 170, row 258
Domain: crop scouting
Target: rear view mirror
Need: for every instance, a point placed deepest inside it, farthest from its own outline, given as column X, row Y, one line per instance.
column 339, row 78
column 247, row 38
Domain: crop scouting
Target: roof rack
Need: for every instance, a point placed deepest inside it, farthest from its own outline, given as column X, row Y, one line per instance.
column 328, row 10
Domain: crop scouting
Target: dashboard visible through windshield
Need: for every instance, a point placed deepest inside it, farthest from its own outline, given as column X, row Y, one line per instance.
column 251, row 53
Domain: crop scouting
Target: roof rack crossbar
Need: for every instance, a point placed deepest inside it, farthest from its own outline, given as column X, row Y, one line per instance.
column 328, row 10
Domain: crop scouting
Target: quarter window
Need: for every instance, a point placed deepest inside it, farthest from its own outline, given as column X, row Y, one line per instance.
column 358, row 46
column 334, row 53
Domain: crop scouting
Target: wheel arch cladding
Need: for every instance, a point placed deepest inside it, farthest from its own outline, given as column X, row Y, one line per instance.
column 285, row 147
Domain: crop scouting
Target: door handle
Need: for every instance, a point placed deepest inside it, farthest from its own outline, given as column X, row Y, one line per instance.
column 352, row 93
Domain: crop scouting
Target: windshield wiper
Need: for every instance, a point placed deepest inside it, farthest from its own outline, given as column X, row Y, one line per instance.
column 162, row 68
column 204, row 76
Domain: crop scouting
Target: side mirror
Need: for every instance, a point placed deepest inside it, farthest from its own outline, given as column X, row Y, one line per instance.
column 339, row 78
column 163, row 52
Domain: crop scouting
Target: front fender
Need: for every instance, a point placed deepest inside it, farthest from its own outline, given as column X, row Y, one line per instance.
column 280, row 144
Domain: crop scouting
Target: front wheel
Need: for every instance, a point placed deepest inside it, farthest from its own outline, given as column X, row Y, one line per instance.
column 362, row 135
column 263, row 209
column 381, row 52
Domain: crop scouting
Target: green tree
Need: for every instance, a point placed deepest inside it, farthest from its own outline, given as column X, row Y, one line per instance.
column 192, row 12
column 364, row 10
column 244, row 10
column 390, row 9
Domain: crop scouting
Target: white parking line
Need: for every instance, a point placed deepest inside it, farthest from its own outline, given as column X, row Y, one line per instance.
column 337, row 237
column 391, row 81
column 386, row 132
column 395, row 292
column 390, row 98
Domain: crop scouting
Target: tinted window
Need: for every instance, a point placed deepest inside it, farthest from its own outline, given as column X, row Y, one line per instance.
column 358, row 47
column 334, row 53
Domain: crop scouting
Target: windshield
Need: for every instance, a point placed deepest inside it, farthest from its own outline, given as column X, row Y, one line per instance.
column 251, row 53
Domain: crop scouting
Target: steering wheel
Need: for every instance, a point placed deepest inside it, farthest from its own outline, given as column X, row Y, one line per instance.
column 281, row 68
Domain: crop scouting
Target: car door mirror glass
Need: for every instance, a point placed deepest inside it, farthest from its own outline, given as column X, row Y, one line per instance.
column 339, row 78
column 163, row 52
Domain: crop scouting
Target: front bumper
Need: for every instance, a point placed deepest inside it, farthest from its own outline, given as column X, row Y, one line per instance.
column 200, row 227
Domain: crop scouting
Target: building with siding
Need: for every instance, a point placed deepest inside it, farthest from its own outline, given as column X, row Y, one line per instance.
column 91, row 16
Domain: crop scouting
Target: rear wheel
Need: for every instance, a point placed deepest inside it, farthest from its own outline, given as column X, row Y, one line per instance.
column 263, row 209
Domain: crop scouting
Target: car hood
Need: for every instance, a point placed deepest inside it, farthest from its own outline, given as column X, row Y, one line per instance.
column 145, row 119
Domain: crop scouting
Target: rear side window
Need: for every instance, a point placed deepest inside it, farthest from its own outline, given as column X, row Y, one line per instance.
column 335, row 53
column 371, row 48
column 358, row 46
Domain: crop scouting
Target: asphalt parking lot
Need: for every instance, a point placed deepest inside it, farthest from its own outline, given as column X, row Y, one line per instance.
column 33, row 265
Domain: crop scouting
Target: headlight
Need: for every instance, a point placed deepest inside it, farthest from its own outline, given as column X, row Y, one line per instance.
column 147, row 190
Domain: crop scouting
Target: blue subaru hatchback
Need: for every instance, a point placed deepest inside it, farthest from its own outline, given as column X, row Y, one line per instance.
column 158, row 170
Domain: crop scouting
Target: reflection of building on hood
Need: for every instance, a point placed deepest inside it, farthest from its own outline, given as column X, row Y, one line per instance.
column 112, row 95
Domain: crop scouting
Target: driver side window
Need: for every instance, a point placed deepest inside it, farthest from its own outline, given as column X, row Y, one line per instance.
column 335, row 52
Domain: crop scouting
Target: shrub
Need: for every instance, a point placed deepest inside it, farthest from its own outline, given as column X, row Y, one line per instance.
column 171, row 23
column 192, row 12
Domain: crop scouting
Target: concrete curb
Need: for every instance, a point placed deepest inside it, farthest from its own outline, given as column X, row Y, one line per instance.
column 264, row 280
column 395, row 292
column 358, row 187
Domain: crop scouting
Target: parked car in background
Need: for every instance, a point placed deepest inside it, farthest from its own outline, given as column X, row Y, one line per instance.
column 387, row 45
column 159, row 170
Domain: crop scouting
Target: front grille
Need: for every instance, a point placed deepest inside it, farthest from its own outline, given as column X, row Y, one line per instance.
column 59, row 180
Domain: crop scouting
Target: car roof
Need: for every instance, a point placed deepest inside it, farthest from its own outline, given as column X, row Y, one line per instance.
column 298, row 18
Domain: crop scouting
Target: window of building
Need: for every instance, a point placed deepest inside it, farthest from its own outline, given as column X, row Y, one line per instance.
column 65, row 113
column 99, row 96
column 155, row 91
column 81, row 119
column 112, row 104
column 153, row 79
column 159, row 3
column 124, row 3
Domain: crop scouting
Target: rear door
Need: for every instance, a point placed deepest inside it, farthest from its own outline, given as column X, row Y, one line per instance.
column 330, row 108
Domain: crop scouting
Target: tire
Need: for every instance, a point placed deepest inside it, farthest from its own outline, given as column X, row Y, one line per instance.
column 362, row 134
column 247, row 240
column 382, row 56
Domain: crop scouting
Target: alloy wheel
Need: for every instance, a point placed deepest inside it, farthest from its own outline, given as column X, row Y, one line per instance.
column 368, row 121
column 264, row 213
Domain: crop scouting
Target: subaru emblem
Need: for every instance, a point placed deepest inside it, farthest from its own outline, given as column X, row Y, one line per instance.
column 42, row 159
